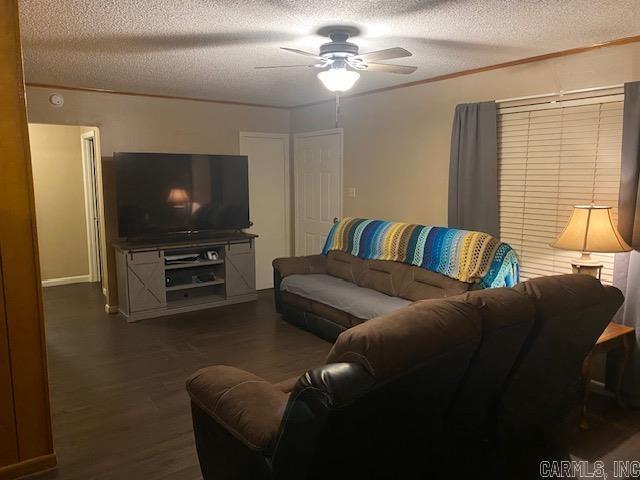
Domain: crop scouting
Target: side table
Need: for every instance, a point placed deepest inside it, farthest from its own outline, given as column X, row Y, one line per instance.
column 614, row 337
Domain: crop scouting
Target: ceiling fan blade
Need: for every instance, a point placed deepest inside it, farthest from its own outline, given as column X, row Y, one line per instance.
column 301, row 52
column 287, row 66
column 386, row 54
column 384, row 67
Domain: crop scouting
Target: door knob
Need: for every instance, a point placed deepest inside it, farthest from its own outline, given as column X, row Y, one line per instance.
column 335, row 219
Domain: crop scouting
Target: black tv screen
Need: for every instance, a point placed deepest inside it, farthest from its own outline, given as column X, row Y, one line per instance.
column 161, row 193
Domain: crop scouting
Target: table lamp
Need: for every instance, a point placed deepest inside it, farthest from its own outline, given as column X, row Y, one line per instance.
column 590, row 229
column 178, row 197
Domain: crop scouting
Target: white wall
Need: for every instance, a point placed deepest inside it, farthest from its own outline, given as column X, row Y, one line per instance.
column 56, row 162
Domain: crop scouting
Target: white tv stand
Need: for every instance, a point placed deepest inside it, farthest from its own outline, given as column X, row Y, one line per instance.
column 148, row 286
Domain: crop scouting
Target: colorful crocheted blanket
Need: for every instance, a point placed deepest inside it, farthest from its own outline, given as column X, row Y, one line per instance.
column 472, row 257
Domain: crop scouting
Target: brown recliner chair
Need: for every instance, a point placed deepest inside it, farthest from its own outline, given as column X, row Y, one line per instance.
column 375, row 410
column 545, row 383
column 437, row 374
column 571, row 312
column 525, row 376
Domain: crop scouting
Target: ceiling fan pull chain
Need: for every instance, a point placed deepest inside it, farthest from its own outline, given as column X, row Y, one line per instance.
column 337, row 110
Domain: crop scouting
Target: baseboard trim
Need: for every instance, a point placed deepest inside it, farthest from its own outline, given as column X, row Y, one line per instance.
column 54, row 282
column 28, row 467
column 110, row 308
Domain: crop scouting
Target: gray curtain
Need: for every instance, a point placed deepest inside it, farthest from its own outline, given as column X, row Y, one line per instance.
column 627, row 265
column 473, row 168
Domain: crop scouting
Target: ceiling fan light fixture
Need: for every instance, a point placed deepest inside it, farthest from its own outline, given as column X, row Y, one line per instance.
column 338, row 79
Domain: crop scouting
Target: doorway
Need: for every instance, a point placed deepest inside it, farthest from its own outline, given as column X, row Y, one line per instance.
column 66, row 184
column 318, row 187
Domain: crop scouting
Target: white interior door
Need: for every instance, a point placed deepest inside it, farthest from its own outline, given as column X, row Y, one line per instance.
column 269, row 199
column 318, row 187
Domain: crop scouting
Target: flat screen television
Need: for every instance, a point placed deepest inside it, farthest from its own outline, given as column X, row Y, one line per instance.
column 160, row 194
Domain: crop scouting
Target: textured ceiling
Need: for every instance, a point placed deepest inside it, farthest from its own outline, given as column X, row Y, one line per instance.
column 208, row 48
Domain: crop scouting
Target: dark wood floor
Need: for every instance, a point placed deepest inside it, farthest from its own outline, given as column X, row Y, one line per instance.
column 119, row 406
column 120, row 410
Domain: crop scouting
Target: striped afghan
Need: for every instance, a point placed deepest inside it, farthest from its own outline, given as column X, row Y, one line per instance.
column 472, row 257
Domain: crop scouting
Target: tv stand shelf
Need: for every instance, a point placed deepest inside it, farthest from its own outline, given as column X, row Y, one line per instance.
column 150, row 287
column 199, row 263
column 185, row 286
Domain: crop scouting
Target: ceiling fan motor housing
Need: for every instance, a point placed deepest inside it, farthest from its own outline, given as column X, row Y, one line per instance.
column 339, row 47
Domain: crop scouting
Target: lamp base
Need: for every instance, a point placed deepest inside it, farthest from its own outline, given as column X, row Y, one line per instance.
column 585, row 265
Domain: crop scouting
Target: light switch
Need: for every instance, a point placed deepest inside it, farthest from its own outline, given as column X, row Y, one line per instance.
column 350, row 192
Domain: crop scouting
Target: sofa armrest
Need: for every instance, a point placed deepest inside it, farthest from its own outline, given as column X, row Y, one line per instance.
column 285, row 266
column 300, row 265
column 243, row 404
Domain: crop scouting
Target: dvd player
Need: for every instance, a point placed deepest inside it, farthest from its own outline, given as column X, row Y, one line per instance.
column 188, row 257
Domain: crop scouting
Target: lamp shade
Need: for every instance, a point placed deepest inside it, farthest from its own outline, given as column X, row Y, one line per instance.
column 591, row 229
column 178, row 195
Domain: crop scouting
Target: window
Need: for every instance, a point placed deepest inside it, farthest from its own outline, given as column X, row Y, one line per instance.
column 553, row 153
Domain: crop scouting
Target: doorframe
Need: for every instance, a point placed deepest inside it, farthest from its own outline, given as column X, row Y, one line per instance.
column 91, row 200
column 296, row 165
column 286, row 138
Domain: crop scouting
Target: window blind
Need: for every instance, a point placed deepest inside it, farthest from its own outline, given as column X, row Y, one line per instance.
column 553, row 155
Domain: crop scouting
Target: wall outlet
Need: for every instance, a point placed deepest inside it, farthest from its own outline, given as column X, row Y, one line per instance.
column 350, row 192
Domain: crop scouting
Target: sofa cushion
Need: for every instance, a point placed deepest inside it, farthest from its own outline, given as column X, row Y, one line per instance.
column 345, row 266
column 392, row 278
column 292, row 265
column 420, row 283
column 384, row 276
column 358, row 301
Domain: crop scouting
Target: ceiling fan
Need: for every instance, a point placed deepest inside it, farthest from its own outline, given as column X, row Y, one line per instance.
column 340, row 61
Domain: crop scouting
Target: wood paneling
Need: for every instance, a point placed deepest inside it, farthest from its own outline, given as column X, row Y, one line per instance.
column 20, row 270
column 40, row 464
column 8, row 437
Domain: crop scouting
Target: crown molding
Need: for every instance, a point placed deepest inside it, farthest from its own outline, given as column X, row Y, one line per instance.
column 462, row 73
column 150, row 95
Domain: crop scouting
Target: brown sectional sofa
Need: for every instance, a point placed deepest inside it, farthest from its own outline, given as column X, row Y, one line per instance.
column 393, row 284
column 477, row 376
